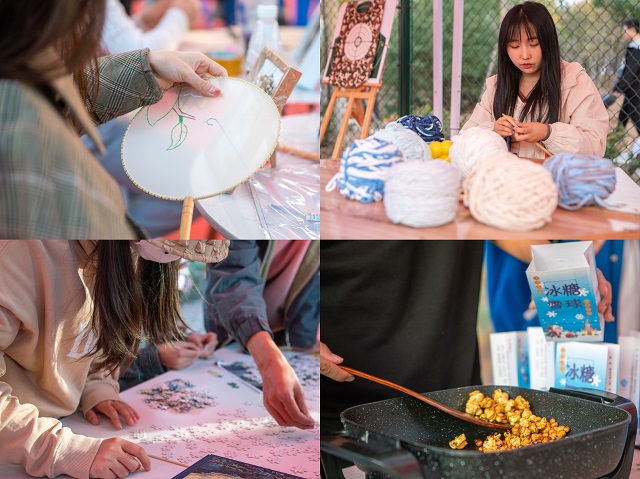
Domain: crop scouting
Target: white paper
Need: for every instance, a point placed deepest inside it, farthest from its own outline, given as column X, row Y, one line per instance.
column 541, row 359
column 504, row 361
column 613, row 362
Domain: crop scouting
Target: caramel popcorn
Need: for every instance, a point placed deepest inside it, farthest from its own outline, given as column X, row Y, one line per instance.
column 527, row 428
column 460, row 442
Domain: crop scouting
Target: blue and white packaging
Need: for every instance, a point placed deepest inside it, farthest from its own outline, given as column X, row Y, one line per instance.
column 629, row 374
column 583, row 365
column 564, row 284
column 510, row 358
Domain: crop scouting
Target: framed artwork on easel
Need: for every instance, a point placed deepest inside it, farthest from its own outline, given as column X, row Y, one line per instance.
column 359, row 43
column 356, row 62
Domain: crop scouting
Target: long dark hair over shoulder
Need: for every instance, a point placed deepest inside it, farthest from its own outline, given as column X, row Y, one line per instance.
column 72, row 27
column 544, row 101
column 132, row 301
column 27, row 27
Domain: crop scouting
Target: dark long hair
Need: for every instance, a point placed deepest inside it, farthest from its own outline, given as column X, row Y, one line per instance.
column 544, row 100
column 72, row 27
column 632, row 23
column 132, row 302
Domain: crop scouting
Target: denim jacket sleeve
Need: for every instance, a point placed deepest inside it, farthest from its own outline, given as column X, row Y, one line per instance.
column 234, row 305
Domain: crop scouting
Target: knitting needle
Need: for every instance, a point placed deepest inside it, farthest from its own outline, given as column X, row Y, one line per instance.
column 513, row 123
column 167, row 460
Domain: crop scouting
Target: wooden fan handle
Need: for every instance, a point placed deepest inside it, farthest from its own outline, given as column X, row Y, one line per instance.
column 186, row 218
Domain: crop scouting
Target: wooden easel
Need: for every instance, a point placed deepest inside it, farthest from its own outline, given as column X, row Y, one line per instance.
column 355, row 97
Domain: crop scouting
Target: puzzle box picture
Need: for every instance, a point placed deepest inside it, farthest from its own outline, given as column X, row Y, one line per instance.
column 216, row 467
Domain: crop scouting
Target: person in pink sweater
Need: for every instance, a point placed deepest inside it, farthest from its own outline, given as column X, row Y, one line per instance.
column 552, row 101
column 70, row 313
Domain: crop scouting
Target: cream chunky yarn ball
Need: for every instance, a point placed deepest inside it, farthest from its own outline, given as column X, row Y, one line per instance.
column 511, row 194
column 472, row 146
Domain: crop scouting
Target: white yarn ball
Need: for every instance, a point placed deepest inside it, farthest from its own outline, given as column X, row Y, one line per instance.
column 422, row 194
column 511, row 194
column 413, row 147
column 473, row 145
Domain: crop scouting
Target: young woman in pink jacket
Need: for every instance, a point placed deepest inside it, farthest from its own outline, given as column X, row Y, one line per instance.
column 71, row 312
column 552, row 101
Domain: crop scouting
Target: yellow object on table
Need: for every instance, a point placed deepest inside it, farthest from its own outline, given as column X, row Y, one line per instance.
column 440, row 149
column 231, row 61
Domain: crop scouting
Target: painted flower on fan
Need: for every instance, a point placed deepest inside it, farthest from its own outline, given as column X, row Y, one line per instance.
column 583, row 292
column 563, row 381
column 545, row 299
column 552, row 314
column 579, row 316
column 180, row 131
column 595, row 380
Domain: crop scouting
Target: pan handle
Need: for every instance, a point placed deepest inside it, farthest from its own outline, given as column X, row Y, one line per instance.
column 624, row 466
column 397, row 462
column 604, row 397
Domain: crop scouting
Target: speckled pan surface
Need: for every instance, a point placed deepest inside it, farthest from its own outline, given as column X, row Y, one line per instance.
column 593, row 448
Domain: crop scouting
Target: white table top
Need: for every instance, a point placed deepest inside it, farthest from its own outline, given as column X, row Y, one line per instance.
column 276, row 203
column 626, row 196
column 237, row 426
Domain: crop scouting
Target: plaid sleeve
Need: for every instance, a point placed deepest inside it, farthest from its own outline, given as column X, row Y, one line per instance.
column 125, row 82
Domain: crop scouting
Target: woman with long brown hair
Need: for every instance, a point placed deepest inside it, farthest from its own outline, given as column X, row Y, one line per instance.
column 51, row 88
column 70, row 314
column 552, row 101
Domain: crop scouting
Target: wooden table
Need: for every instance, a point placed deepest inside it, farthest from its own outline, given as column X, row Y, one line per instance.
column 342, row 218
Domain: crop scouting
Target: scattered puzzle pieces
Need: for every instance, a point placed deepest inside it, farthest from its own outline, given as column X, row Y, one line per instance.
column 178, row 395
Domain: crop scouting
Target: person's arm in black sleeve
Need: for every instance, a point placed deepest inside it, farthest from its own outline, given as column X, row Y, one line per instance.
column 630, row 74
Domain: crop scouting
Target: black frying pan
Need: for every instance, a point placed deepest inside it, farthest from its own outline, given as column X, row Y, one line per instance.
column 407, row 438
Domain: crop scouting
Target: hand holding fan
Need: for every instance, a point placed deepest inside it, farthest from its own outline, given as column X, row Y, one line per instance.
column 188, row 147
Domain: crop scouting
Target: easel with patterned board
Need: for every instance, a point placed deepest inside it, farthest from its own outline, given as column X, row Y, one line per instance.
column 355, row 109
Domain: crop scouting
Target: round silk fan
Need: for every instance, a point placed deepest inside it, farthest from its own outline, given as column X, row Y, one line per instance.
column 188, row 147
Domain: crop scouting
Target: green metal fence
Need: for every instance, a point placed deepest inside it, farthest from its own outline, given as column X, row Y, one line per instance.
column 590, row 33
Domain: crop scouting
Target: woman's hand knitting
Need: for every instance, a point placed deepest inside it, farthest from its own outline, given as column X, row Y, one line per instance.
column 530, row 132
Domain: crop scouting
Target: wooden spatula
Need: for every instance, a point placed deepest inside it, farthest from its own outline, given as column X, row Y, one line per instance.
column 444, row 408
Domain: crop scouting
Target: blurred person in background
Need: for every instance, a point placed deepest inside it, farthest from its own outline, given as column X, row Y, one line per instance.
column 628, row 83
